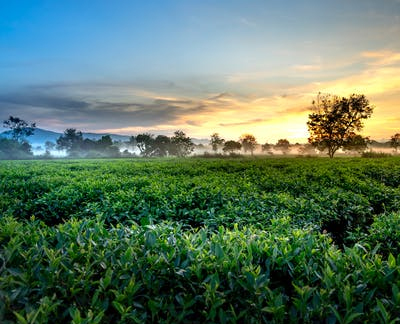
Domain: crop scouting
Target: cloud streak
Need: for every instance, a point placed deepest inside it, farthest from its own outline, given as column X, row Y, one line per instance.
column 165, row 106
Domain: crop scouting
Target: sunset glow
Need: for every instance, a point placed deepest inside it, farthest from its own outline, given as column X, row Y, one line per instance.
column 202, row 67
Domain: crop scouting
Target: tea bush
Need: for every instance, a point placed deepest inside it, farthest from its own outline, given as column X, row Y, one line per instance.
column 200, row 241
column 82, row 271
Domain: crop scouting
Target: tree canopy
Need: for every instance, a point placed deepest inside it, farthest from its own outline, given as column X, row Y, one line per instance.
column 335, row 120
column 283, row 144
column 248, row 142
column 232, row 146
column 71, row 141
column 20, row 129
column 182, row 145
column 216, row 141
column 395, row 141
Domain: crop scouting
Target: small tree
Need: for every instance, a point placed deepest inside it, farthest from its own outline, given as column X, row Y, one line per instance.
column 335, row 120
column 283, row 145
column 48, row 146
column 216, row 142
column 395, row 141
column 162, row 145
column 232, row 146
column 145, row 143
column 181, row 145
column 19, row 128
column 267, row 148
column 248, row 142
column 71, row 141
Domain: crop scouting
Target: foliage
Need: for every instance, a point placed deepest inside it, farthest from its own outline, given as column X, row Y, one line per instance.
column 356, row 143
column 85, row 272
column 182, row 145
column 336, row 120
column 200, row 241
column 283, row 145
column 216, row 141
column 375, row 155
column 71, row 141
column 232, row 146
column 266, row 147
column 145, row 143
column 162, row 145
column 13, row 149
column 20, row 129
column 395, row 141
column 248, row 142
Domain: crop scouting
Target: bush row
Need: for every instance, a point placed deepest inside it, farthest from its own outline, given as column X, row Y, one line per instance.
column 83, row 271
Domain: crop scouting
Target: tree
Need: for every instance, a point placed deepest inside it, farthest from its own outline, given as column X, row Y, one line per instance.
column 181, row 145
column 356, row 143
column 216, row 141
column 48, row 146
column 232, row 146
column 266, row 148
column 283, row 145
column 19, row 128
column 71, row 141
column 105, row 142
column 12, row 149
column 145, row 143
column 395, row 141
column 248, row 142
column 162, row 145
column 335, row 119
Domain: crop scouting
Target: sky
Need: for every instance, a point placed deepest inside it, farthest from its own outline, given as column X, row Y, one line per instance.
column 227, row 66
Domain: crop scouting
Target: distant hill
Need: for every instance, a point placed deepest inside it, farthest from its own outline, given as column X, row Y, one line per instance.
column 41, row 136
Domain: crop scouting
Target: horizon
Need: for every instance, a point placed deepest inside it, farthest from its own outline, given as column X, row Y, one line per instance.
column 230, row 67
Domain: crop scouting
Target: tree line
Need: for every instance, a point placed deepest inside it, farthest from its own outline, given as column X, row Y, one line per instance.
column 332, row 125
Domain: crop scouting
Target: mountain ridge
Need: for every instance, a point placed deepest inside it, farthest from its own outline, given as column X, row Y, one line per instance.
column 41, row 136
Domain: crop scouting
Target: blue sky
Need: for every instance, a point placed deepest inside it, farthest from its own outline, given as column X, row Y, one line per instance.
column 201, row 66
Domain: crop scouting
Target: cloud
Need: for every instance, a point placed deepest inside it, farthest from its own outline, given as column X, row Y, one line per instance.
column 306, row 67
column 247, row 122
column 263, row 104
column 34, row 100
column 381, row 58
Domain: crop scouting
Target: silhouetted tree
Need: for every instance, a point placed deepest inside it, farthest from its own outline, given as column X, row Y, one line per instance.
column 248, row 142
column 232, row 146
column 71, row 141
column 283, row 145
column 162, row 144
column 216, row 142
column 12, row 149
column 145, row 143
column 19, row 128
column 48, row 146
column 395, row 141
column 105, row 142
column 181, row 145
column 335, row 119
column 266, row 148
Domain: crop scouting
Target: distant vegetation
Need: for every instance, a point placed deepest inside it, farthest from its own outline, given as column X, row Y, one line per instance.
column 332, row 126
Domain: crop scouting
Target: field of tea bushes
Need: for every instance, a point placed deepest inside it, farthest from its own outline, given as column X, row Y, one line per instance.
column 238, row 240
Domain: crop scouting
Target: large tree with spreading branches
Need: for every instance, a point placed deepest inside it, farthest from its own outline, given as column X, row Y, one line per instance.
column 336, row 120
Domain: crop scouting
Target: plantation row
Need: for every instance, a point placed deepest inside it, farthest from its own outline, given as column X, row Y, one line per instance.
column 337, row 196
column 200, row 241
